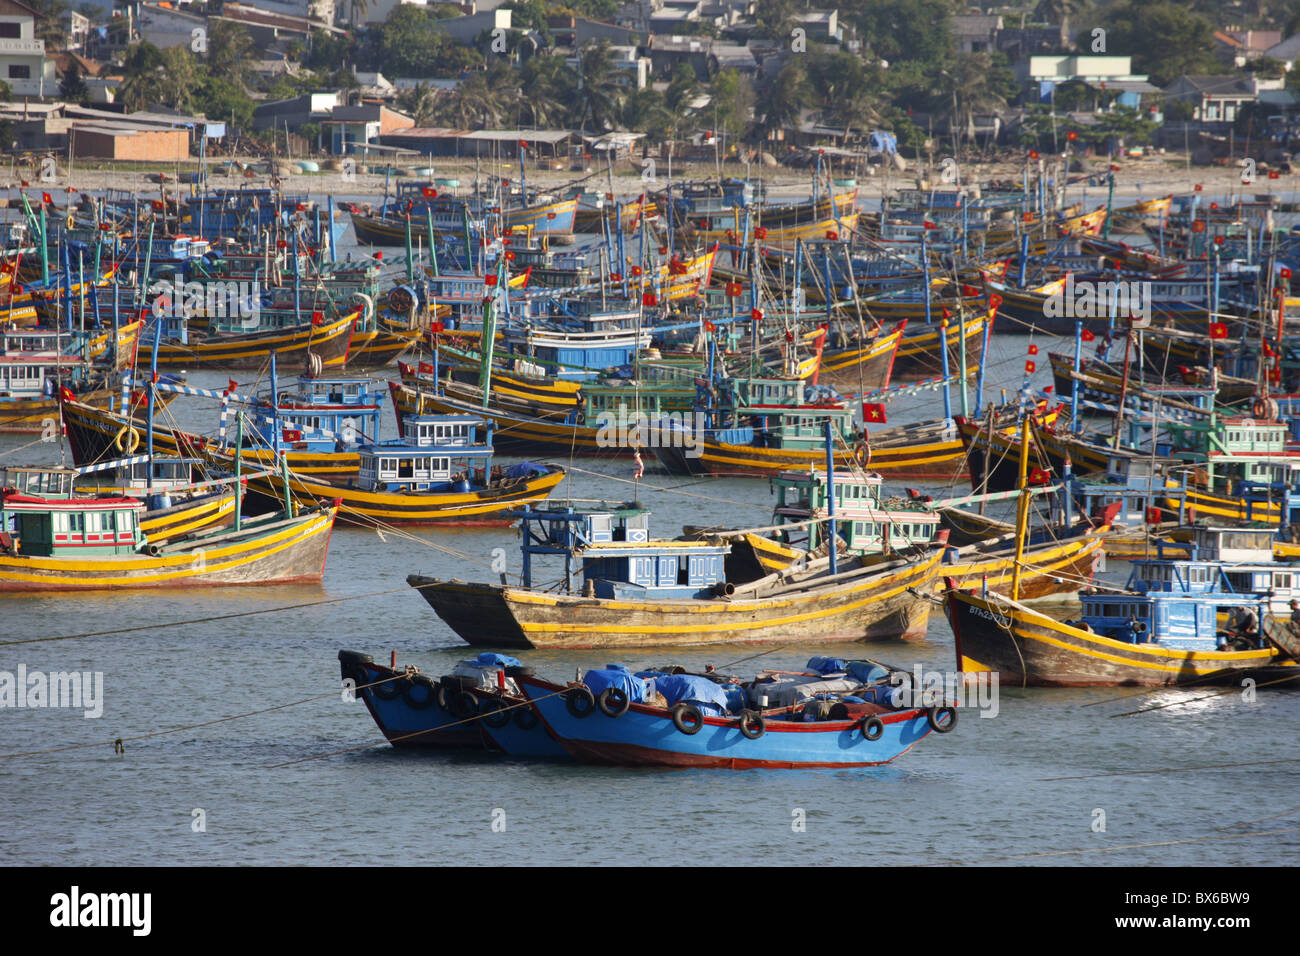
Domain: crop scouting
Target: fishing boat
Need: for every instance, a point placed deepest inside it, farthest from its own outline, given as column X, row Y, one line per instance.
column 637, row 592
column 439, row 472
column 775, row 721
column 477, row 706
column 236, row 343
column 1162, row 629
column 54, row 540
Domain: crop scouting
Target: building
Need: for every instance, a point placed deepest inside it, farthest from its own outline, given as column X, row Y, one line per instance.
column 444, row 141
column 1236, row 48
column 705, row 55
column 1099, row 73
column 467, row 29
column 295, row 111
column 351, row 127
column 23, row 64
column 76, row 30
column 267, row 28
column 973, row 33
column 1218, row 99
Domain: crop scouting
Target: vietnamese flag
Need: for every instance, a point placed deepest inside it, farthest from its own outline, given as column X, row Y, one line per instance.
column 872, row 412
column 317, row 318
column 710, row 327
column 1218, row 330
column 1029, row 368
column 1086, row 335
column 45, row 198
column 649, row 300
column 1038, row 476
column 231, row 385
column 1033, row 350
column 436, row 326
column 426, row 368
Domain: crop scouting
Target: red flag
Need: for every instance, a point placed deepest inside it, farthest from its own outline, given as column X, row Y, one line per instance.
column 231, row 385
column 428, row 192
column 1033, row 350
column 45, row 198
column 1071, row 136
column 710, row 327
column 317, row 318
column 1029, row 368
column 1038, row 476
column 65, row 394
column 832, row 234
column 756, row 315
column 1086, row 335
column 760, row 232
column 1218, row 330
column 490, row 279
column 872, row 412
column 1285, row 273
column 436, row 326
column 733, row 289
column 523, row 144
column 426, row 368
column 648, row 299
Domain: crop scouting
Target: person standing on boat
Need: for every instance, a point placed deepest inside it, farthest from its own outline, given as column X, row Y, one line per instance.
column 1243, row 630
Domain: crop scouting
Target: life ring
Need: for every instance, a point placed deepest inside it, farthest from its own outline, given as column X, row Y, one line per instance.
column 581, row 418
column 687, row 718
column 71, row 221
column 525, row 718
column 1264, row 408
column 387, row 689
column 752, row 724
column 933, row 715
column 613, row 702
column 419, row 701
column 579, row 701
column 873, row 728
column 495, row 711
column 134, row 441
column 862, row 454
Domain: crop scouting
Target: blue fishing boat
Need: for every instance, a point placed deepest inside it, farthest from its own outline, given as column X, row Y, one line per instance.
column 478, row 705
column 834, row 718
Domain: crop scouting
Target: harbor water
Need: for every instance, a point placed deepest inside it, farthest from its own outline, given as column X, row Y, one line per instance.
column 1052, row 772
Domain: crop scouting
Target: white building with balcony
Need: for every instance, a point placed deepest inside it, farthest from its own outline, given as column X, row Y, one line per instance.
column 23, row 64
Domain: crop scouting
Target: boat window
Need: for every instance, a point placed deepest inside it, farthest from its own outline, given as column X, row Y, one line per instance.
column 405, row 468
column 1282, row 581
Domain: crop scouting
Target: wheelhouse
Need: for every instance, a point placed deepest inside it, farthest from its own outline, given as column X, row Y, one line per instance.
column 40, row 517
column 435, row 453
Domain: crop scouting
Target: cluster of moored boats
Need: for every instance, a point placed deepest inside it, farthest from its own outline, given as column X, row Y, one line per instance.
column 715, row 335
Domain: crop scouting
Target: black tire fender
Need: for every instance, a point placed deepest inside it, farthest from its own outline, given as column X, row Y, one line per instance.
column 933, row 715
column 579, row 701
column 463, row 704
column 525, row 718
column 687, row 718
column 613, row 702
column 873, row 728
column 387, row 689
column 495, row 711
column 752, row 724
column 422, row 699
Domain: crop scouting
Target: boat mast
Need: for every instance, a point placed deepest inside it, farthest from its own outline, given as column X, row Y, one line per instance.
column 1022, row 508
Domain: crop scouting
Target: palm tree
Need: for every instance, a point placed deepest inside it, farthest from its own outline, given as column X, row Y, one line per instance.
column 599, row 92
column 420, row 103
column 546, row 85
column 785, row 99
column 473, row 101
column 230, row 51
column 1059, row 11
column 973, row 90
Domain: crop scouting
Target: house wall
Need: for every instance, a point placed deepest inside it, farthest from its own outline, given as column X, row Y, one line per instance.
column 160, row 146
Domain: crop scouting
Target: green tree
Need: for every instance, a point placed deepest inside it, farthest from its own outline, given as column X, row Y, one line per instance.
column 420, row 103
column 847, row 89
column 72, row 87
column 142, row 79
column 1060, row 11
column 900, row 30
column 230, row 51
column 599, row 92
column 733, row 103
column 1164, row 39
column 547, row 87
column 788, row 95
column 183, row 74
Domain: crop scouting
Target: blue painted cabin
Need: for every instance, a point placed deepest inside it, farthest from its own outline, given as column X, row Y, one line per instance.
column 435, row 453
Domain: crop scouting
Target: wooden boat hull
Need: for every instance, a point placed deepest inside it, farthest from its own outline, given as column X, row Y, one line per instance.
column 646, row 736
column 212, row 510
column 512, row 433
column 865, row 368
column 32, row 415
column 879, row 603
column 489, row 506
column 919, row 356
column 1058, row 567
column 1025, row 647
column 407, row 710
column 329, row 340
column 94, row 436
column 378, row 347
column 284, row 551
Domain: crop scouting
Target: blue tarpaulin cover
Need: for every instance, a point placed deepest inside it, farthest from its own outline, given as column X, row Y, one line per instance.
column 524, row 469
column 827, row 665
column 616, row 675
column 867, row 671
column 489, row 659
column 884, row 142
column 704, row 693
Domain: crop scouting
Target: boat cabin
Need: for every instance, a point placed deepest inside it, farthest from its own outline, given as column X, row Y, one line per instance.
column 136, row 475
column 866, row 523
column 1186, row 603
column 618, row 558
column 60, row 525
column 322, row 414
column 435, row 453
